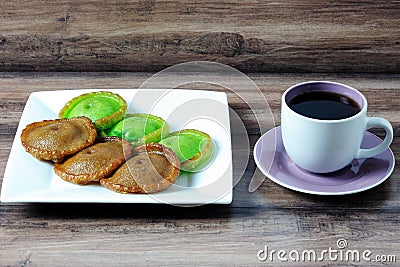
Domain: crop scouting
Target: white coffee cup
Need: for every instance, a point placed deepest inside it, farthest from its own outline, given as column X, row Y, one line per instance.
column 321, row 145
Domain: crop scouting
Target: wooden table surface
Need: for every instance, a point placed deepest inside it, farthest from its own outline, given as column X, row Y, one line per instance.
column 227, row 235
column 250, row 35
column 281, row 37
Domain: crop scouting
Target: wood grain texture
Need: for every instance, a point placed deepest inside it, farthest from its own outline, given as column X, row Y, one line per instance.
column 149, row 35
column 154, row 235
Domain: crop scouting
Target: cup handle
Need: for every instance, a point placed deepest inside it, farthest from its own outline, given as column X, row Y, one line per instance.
column 381, row 123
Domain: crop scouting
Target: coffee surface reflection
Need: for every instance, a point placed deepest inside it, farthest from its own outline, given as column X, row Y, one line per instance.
column 324, row 105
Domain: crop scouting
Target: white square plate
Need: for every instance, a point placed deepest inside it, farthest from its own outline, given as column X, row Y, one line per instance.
column 27, row 179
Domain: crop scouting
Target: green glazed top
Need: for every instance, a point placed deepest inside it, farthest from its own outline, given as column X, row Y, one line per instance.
column 103, row 108
column 186, row 144
column 140, row 128
column 194, row 149
column 94, row 108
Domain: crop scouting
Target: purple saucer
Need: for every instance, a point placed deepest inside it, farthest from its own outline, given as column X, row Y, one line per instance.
column 360, row 175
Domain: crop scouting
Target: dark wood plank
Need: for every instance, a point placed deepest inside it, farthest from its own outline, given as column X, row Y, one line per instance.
column 121, row 235
column 148, row 35
column 130, row 235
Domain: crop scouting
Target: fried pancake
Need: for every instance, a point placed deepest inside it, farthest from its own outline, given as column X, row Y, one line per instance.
column 103, row 108
column 140, row 129
column 95, row 162
column 56, row 139
column 195, row 149
column 153, row 169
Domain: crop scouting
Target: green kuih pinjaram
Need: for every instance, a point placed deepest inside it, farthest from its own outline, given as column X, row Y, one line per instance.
column 104, row 108
column 140, row 129
column 195, row 149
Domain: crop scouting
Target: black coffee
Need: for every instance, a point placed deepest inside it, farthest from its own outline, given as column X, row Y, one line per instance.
column 324, row 105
